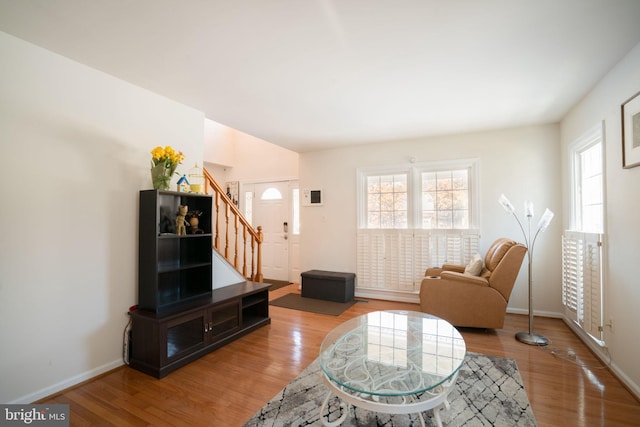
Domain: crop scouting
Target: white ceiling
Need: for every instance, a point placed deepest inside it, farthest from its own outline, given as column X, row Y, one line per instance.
column 313, row 74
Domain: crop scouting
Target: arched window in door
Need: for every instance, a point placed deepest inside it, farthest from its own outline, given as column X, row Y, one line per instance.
column 271, row 193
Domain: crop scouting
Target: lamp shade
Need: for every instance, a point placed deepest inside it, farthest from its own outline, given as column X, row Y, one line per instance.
column 506, row 204
column 545, row 220
column 528, row 208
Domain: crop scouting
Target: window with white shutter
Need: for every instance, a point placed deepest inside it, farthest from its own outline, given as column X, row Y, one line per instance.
column 582, row 276
column 413, row 217
column 396, row 260
column 582, row 280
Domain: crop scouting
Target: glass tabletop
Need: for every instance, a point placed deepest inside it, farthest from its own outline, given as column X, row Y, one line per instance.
column 392, row 353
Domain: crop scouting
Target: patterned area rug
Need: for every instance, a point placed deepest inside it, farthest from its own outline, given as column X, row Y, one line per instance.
column 489, row 392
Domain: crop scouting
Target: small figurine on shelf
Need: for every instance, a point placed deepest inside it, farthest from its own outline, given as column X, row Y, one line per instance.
column 183, row 185
column 196, row 177
column 194, row 221
column 181, row 222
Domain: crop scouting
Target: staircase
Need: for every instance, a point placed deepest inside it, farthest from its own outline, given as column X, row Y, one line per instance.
column 233, row 237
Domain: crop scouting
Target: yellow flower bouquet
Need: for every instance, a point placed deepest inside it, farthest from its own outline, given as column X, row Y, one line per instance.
column 164, row 161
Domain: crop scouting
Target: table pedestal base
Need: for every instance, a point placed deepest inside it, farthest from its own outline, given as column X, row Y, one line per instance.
column 436, row 400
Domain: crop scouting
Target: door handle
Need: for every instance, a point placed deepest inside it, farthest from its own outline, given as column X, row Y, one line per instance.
column 285, row 229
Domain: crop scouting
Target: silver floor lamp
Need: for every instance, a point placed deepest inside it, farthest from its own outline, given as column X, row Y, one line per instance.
column 529, row 337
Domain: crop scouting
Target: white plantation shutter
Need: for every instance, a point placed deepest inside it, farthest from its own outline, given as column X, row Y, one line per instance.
column 582, row 280
column 571, row 268
column 370, row 247
column 402, row 267
column 396, row 260
column 462, row 246
column 422, row 253
column 438, row 244
column 592, row 286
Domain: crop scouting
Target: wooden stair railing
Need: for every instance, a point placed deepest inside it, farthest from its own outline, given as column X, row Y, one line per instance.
column 240, row 227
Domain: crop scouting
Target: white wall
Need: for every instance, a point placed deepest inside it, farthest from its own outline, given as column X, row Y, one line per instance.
column 251, row 160
column 523, row 163
column 219, row 144
column 622, row 228
column 75, row 146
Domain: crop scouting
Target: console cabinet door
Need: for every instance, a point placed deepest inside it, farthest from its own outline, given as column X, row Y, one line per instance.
column 183, row 335
column 224, row 319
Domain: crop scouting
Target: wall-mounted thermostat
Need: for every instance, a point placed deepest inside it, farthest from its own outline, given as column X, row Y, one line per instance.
column 312, row 198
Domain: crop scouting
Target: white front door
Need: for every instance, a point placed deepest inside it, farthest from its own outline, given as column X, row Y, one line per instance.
column 271, row 210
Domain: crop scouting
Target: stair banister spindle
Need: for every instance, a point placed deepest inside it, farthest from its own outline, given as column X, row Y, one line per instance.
column 253, row 257
column 244, row 253
column 236, row 247
column 257, row 237
column 216, row 240
column 226, row 230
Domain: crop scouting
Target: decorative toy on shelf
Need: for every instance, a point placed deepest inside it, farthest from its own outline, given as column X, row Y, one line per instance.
column 196, row 177
column 181, row 222
column 194, row 220
column 183, row 185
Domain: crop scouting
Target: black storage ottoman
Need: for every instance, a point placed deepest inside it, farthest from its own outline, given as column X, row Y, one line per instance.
column 328, row 285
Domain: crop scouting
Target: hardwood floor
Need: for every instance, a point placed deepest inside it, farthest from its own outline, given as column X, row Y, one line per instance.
column 226, row 387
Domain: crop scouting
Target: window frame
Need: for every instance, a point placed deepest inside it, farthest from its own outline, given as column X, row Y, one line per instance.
column 413, row 172
column 589, row 139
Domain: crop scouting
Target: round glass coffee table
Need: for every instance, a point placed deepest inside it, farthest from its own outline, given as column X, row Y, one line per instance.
column 392, row 362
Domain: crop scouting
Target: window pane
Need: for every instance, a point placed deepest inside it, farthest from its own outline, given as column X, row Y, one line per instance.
column 387, row 201
column 444, row 181
column 296, row 210
column 443, row 200
column 592, row 190
column 460, row 180
column 373, row 184
column 589, row 193
column 592, row 160
column 429, row 219
column 373, row 219
column 592, row 219
column 428, row 201
column 373, row 202
column 460, row 199
column 400, row 219
column 450, row 191
column 400, row 184
column 271, row 193
column 429, row 181
column 386, row 219
column 386, row 184
column 400, row 202
column 460, row 219
column 445, row 219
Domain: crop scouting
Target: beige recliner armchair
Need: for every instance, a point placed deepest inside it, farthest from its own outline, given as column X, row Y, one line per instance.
column 467, row 300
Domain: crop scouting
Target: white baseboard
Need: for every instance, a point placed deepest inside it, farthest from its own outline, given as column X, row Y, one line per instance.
column 604, row 357
column 67, row 383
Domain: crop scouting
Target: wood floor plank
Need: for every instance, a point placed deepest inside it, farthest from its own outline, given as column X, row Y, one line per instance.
column 225, row 388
